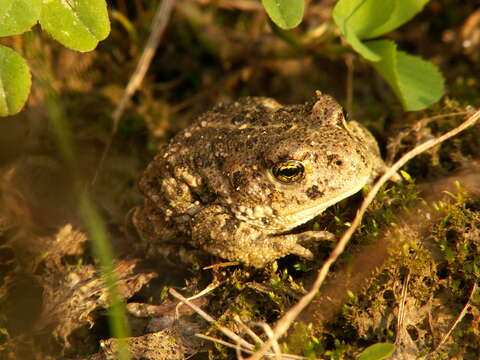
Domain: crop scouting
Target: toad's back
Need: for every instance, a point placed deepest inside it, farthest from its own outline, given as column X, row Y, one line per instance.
column 264, row 166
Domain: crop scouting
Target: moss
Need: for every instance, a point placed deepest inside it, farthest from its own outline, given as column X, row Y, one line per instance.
column 441, row 269
column 457, row 235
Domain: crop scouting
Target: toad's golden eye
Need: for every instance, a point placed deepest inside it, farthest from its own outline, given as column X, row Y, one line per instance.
column 289, row 171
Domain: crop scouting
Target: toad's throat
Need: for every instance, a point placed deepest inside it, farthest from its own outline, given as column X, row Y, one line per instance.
column 288, row 219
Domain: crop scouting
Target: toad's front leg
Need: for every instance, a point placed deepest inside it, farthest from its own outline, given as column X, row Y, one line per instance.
column 221, row 234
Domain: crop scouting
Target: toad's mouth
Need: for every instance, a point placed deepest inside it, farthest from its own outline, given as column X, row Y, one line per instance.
column 291, row 219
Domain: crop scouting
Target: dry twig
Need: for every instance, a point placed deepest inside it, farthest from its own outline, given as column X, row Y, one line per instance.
column 455, row 324
column 234, row 4
column 209, row 288
column 237, row 347
column 227, row 332
column 268, row 330
column 249, row 331
column 284, row 323
column 240, row 345
column 349, row 62
column 160, row 21
column 401, row 308
column 394, row 143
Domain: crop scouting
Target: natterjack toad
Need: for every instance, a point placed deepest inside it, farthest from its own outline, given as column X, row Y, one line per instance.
column 246, row 173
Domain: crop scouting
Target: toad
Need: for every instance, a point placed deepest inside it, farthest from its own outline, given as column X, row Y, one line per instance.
column 246, row 173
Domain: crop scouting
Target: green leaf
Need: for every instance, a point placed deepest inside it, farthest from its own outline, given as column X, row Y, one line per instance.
column 416, row 82
column 354, row 18
column 18, row 16
column 421, row 81
column 77, row 24
column 407, row 176
column 362, row 16
column 285, row 13
column 379, row 351
column 366, row 19
column 372, row 18
column 359, row 46
column 403, row 11
column 387, row 67
column 15, row 81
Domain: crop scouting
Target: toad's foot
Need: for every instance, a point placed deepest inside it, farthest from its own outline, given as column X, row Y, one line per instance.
column 304, row 238
column 219, row 233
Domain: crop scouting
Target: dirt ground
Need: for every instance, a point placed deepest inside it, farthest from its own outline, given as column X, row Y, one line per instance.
column 409, row 276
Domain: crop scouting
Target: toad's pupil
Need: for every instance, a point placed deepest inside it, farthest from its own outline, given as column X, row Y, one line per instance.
column 289, row 171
